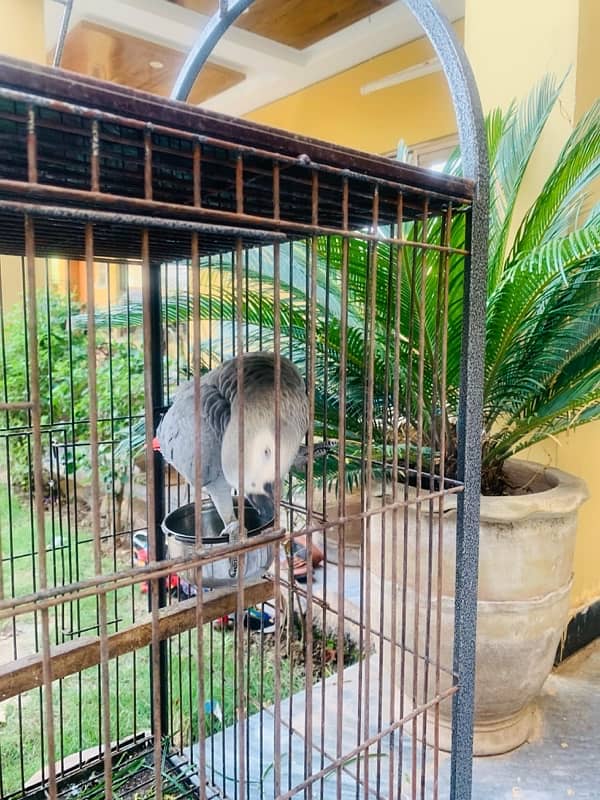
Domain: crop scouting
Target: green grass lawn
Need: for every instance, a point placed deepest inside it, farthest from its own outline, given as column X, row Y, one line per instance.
column 77, row 701
column 76, row 698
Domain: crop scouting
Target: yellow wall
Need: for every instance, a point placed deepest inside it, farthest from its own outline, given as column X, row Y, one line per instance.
column 334, row 109
column 21, row 36
column 588, row 68
column 559, row 36
column 577, row 452
column 22, row 29
column 588, row 60
column 552, row 36
column 509, row 63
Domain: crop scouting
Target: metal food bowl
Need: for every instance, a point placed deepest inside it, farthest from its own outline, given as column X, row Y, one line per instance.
column 179, row 527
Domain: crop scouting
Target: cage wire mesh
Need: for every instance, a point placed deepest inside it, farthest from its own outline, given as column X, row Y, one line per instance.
column 140, row 250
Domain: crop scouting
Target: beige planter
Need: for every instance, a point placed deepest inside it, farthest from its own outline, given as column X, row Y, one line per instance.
column 525, row 574
column 352, row 531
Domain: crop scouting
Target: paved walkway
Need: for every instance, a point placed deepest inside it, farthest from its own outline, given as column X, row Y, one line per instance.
column 563, row 758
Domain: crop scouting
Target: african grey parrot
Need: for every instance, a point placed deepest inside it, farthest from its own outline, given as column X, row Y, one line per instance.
column 219, row 432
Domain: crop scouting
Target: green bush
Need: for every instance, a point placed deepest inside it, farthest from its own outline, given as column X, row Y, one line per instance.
column 63, row 365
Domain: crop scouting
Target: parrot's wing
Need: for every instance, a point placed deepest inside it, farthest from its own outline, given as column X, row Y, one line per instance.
column 216, row 409
column 177, row 431
column 320, row 449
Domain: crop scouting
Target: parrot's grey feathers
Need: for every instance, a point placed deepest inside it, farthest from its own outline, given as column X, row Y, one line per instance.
column 216, row 408
column 219, row 427
column 319, row 450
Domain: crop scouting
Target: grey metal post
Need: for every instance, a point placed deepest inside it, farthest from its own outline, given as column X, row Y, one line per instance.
column 205, row 44
column 471, row 128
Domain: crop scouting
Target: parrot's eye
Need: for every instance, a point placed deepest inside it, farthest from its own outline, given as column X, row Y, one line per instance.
column 267, row 452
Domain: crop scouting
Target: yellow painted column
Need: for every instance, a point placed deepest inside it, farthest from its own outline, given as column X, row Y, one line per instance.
column 21, row 36
column 22, row 29
column 511, row 45
column 335, row 109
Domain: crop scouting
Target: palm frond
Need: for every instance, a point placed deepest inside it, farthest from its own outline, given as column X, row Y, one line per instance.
column 521, row 130
column 404, row 305
column 577, row 166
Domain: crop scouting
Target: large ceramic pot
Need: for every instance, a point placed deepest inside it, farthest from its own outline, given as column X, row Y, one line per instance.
column 329, row 541
column 525, row 574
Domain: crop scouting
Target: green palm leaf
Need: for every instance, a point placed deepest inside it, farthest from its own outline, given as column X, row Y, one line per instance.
column 577, row 166
column 404, row 306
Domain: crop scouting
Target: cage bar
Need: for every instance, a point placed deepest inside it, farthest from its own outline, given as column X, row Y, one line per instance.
column 171, row 241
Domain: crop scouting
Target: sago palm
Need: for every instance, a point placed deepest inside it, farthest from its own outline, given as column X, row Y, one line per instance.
column 542, row 363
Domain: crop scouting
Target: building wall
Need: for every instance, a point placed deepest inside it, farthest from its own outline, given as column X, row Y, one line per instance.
column 22, row 29
column 559, row 37
column 334, row 109
column 508, row 58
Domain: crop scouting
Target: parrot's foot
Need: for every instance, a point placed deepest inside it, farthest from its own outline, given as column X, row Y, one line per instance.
column 232, row 532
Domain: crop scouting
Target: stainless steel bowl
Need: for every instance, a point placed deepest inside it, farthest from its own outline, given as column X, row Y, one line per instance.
column 179, row 527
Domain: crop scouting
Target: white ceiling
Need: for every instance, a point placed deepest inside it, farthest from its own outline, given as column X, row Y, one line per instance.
column 273, row 70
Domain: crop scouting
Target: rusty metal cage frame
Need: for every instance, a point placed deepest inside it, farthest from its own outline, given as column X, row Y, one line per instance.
column 474, row 155
column 255, row 186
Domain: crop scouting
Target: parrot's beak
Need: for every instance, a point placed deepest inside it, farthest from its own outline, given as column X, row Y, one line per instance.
column 264, row 504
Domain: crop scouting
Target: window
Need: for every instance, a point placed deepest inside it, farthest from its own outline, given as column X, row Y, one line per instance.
column 432, row 154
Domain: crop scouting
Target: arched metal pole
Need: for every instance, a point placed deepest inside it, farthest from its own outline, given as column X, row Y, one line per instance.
column 473, row 144
column 205, row 44
column 62, row 33
column 471, row 128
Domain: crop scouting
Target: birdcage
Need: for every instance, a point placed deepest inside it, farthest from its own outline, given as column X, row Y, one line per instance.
column 151, row 242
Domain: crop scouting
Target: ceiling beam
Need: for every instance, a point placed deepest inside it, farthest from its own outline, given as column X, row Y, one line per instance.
column 272, row 70
column 389, row 28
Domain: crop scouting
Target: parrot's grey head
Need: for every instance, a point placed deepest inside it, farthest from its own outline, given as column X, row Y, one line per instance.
column 259, row 463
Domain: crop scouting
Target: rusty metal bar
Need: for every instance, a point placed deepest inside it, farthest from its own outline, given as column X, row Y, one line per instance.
column 371, row 301
column 109, row 582
column 277, row 491
column 152, row 521
column 95, row 158
column 93, row 215
column 148, row 187
column 421, row 274
column 311, row 364
column 398, row 266
column 27, row 673
column 102, row 606
column 341, row 529
column 197, row 173
column 38, row 488
column 200, row 602
column 38, row 482
column 32, row 160
column 239, row 185
column 24, row 405
column 240, row 559
column 445, row 270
